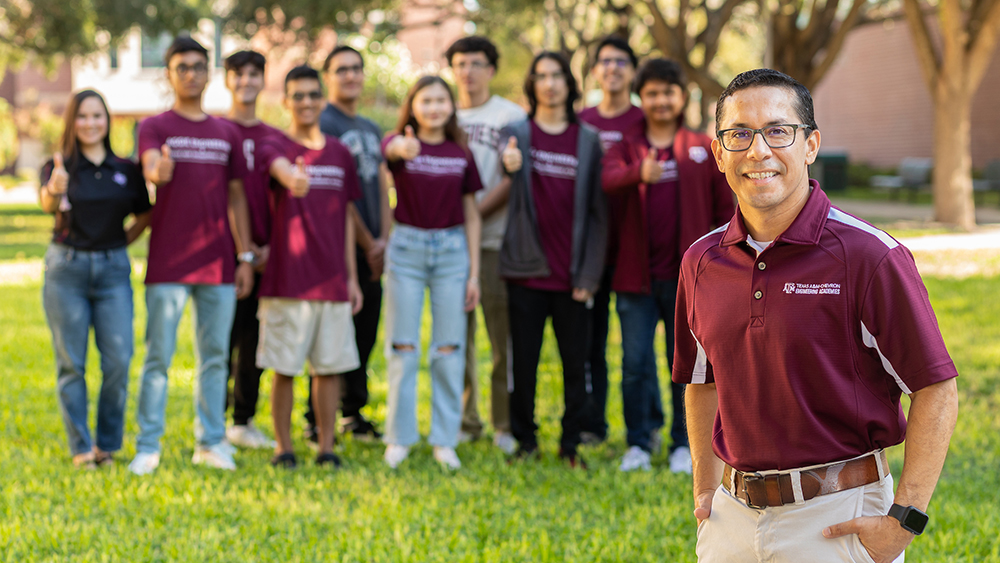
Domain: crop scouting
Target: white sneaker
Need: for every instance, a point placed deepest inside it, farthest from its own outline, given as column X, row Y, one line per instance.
column 144, row 463
column 635, row 458
column 506, row 442
column 680, row 460
column 447, row 457
column 395, row 454
column 218, row 456
column 248, row 436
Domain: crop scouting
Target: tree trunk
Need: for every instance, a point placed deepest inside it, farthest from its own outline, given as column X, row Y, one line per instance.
column 953, row 201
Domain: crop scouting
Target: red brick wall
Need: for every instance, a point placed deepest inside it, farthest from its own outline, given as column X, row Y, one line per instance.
column 874, row 101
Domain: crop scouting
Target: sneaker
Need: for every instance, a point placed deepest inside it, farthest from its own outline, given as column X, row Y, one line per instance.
column 680, row 460
column 285, row 460
column 331, row 459
column 635, row 458
column 144, row 463
column 359, row 428
column 466, row 437
column 248, row 436
column 218, row 456
column 524, row 454
column 591, row 438
column 395, row 454
column 655, row 440
column 573, row 458
column 447, row 458
column 506, row 442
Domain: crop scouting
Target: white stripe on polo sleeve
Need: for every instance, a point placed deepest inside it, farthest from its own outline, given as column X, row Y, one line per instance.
column 700, row 372
column 869, row 340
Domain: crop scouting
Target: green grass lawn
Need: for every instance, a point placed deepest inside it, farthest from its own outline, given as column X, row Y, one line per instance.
column 488, row 511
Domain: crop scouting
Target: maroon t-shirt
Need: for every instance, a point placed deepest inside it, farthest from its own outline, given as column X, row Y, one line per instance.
column 553, row 186
column 430, row 187
column 307, row 233
column 256, row 185
column 614, row 129
column 190, row 240
column 662, row 208
column 810, row 344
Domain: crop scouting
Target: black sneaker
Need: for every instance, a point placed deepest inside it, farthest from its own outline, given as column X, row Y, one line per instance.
column 331, row 459
column 360, row 428
column 286, row 460
column 573, row 458
column 523, row 454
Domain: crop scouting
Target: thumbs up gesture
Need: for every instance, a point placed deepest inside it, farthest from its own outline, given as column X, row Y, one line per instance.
column 165, row 166
column 409, row 145
column 300, row 179
column 59, row 178
column 650, row 170
column 511, row 156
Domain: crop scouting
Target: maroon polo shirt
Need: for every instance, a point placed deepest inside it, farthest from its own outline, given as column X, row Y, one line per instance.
column 810, row 344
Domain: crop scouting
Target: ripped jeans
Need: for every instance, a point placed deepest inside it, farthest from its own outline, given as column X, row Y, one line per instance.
column 416, row 259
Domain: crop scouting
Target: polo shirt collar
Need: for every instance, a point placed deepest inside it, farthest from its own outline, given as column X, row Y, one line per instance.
column 806, row 229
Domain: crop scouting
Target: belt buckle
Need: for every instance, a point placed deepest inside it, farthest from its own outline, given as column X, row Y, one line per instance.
column 751, row 478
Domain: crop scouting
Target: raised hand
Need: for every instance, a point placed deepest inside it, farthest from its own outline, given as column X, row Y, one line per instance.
column 651, row 170
column 409, row 146
column 59, row 178
column 165, row 166
column 300, row 178
column 511, row 156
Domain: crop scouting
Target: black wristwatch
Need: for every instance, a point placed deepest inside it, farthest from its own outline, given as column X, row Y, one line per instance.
column 910, row 518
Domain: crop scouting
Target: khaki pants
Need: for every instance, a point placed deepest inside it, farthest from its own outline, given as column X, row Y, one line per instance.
column 735, row 533
column 494, row 304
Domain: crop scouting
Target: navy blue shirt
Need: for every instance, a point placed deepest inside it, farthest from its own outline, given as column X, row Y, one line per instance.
column 98, row 199
column 363, row 138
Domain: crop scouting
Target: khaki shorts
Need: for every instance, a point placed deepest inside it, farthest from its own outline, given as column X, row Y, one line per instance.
column 294, row 330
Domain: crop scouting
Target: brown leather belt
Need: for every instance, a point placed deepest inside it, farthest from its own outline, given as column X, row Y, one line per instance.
column 765, row 490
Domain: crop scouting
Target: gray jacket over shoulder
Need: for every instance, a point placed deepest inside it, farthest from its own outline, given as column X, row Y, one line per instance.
column 522, row 255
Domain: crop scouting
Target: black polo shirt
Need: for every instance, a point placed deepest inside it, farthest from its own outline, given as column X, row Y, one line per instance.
column 100, row 197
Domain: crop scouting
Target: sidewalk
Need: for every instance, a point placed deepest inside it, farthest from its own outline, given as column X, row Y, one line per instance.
column 891, row 211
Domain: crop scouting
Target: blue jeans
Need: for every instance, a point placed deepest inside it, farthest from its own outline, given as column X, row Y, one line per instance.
column 437, row 259
column 83, row 289
column 639, row 315
column 214, row 307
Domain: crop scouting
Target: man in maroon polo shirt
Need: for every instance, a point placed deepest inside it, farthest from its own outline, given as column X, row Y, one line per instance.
column 669, row 194
column 799, row 327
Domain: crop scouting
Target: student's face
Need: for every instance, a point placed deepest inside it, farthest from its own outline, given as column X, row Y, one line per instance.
column 345, row 77
column 91, row 122
column 304, row 99
column 614, row 71
column 780, row 176
column 661, row 101
column 473, row 72
column 188, row 74
column 432, row 106
column 245, row 83
column 551, row 89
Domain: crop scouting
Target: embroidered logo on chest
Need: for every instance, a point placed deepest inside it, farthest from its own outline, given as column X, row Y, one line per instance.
column 812, row 288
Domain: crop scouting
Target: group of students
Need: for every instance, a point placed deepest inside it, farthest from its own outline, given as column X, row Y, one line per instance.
column 281, row 239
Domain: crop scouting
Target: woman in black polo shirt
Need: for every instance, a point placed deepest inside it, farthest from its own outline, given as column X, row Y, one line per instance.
column 91, row 192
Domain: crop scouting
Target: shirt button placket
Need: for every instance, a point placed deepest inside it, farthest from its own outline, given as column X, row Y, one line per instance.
column 759, row 282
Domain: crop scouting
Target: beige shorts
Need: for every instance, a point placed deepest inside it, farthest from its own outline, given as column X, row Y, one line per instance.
column 294, row 330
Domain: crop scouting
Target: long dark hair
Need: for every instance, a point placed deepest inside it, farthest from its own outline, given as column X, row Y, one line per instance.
column 452, row 131
column 573, row 91
column 68, row 144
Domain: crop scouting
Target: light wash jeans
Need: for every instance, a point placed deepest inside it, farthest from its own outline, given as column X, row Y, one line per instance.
column 214, row 307
column 437, row 259
column 83, row 289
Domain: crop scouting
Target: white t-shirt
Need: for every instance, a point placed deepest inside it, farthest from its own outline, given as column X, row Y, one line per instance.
column 483, row 125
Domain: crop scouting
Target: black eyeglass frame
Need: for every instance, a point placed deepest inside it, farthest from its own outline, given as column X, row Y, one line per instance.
column 795, row 129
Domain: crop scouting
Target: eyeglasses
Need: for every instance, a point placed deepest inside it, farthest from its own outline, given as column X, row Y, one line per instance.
column 620, row 63
column 474, row 65
column 199, row 69
column 776, row 136
column 314, row 95
column 344, row 70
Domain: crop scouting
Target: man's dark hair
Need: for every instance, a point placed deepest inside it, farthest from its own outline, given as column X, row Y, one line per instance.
column 302, row 72
column 769, row 77
column 618, row 43
column 338, row 50
column 474, row 44
column 660, row 70
column 240, row 59
column 573, row 90
column 183, row 44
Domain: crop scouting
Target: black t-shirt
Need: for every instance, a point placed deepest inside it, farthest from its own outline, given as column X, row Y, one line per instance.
column 99, row 198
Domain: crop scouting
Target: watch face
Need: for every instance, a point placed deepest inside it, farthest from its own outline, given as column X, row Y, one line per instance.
column 915, row 520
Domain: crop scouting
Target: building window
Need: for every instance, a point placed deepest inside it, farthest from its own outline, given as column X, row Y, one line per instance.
column 153, row 49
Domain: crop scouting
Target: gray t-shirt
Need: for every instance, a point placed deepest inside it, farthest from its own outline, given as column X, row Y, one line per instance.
column 364, row 139
column 483, row 125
